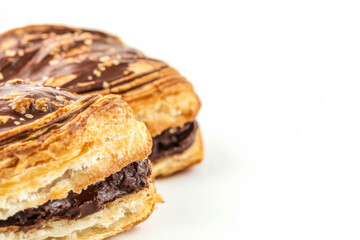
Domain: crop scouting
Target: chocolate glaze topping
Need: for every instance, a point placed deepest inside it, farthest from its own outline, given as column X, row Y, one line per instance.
column 173, row 141
column 131, row 178
column 78, row 59
column 22, row 103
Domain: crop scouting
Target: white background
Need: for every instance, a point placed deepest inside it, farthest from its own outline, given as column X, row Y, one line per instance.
column 280, row 86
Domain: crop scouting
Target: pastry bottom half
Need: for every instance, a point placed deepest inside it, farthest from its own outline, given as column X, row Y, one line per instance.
column 180, row 161
column 98, row 219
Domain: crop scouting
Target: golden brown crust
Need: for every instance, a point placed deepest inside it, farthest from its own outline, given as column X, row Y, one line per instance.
column 88, row 61
column 70, row 154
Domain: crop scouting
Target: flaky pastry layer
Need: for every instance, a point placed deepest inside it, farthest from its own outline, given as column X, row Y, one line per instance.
column 116, row 217
column 87, row 61
column 98, row 141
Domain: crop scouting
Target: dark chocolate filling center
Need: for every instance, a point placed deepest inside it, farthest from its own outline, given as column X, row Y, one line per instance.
column 131, row 178
column 173, row 141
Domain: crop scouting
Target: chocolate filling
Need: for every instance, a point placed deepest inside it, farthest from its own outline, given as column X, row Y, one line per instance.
column 132, row 178
column 173, row 141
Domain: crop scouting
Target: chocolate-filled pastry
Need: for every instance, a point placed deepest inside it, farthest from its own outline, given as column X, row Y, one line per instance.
column 88, row 62
column 71, row 167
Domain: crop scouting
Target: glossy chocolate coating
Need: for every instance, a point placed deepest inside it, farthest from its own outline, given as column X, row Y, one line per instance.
column 78, row 59
column 22, row 103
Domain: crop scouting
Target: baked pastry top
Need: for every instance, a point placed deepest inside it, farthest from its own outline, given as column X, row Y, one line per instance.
column 50, row 143
column 23, row 103
column 87, row 61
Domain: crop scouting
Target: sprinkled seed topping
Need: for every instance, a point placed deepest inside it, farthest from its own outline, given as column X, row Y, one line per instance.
column 54, row 62
column 12, row 96
column 105, row 84
column 104, row 59
column 1, row 76
column 88, row 42
column 4, row 119
column 72, row 58
column 57, row 105
column 102, row 68
column 22, row 105
column 10, row 53
column 97, row 73
column 172, row 130
column 25, row 102
column 21, row 53
column 42, row 104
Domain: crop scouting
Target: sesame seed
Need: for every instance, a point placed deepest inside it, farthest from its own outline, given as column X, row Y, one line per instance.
column 97, row 73
column 21, row 53
column 54, row 62
column 10, row 53
column 21, row 119
column 57, row 88
column 29, row 115
column 90, row 77
column 1, row 76
column 172, row 130
column 44, row 78
column 106, row 84
column 104, row 59
column 16, row 122
column 88, row 42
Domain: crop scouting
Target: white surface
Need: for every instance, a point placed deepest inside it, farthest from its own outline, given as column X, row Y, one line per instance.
column 279, row 82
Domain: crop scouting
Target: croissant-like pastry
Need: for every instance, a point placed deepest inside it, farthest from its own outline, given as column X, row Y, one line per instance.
column 71, row 167
column 87, row 62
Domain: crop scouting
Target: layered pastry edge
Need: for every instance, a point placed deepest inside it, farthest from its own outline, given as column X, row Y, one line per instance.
column 50, row 165
column 90, row 62
column 116, row 216
column 160, row 96
column 133, row 178
column 171, row 164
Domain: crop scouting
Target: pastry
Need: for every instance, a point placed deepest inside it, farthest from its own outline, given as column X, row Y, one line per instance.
column 71, row 167
column 88, row 62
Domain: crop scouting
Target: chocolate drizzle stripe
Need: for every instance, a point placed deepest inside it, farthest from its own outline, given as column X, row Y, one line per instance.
column 22, row 135
column 139, row 76
column 85, row 54
column 137, row 86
